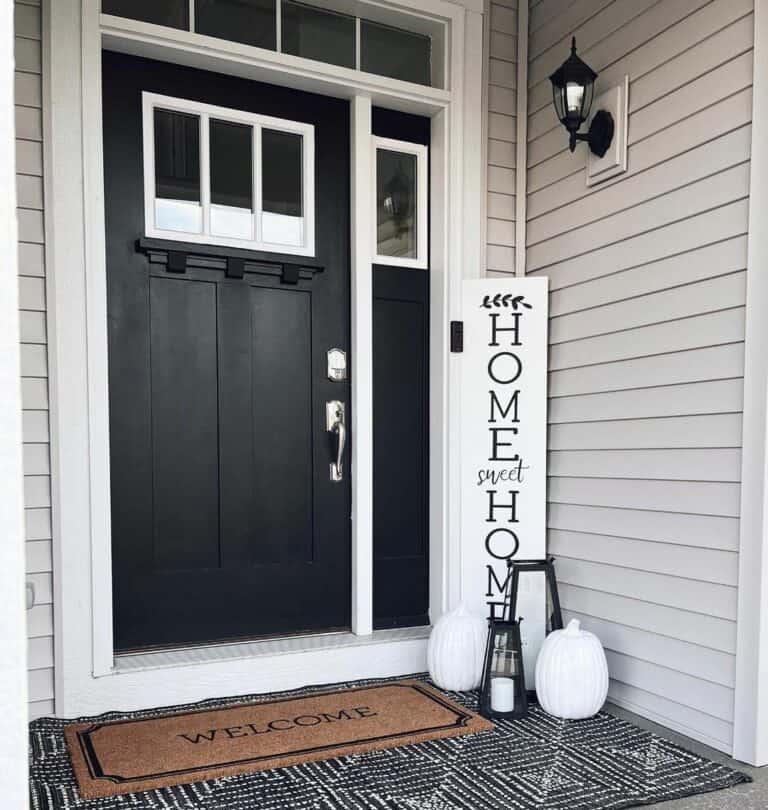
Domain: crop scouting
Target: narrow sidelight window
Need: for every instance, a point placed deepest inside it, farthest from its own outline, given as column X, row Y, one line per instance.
column 401, row 203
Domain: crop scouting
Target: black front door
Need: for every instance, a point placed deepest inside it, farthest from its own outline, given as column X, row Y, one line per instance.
column 226, row 522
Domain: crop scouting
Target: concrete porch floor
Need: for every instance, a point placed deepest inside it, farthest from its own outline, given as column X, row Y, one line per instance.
column 752, row 796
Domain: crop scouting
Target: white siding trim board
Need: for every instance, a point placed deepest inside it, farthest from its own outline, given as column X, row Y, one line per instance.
column 751, row 705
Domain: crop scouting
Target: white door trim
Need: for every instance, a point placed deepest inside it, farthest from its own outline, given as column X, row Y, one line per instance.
column 13, row 638
column 750, row 732
column 86, row 679
column 361, row 289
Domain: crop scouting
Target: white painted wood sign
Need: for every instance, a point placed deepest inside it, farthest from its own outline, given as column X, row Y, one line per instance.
column 503, row 462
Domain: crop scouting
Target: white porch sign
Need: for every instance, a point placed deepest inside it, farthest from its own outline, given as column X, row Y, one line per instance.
column 503, row 424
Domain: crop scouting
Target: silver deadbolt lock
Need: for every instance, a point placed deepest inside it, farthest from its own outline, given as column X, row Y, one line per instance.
column 337, row 365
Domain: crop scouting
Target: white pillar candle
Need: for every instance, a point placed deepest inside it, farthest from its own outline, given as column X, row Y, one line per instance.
column 502, row 694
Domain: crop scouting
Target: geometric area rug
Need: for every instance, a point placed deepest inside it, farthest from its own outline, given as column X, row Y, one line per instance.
column 537, row 763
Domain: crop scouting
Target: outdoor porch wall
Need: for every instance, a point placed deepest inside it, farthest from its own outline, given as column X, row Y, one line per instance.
column 34, row 357
column 647, row 281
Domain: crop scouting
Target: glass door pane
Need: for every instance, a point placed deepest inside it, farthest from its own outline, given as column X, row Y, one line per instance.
column 282, row 188
column 177, row 172
column 396, row 204
column 231, row 148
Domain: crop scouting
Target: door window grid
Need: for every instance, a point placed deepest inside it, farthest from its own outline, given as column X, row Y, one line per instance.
column 220, row 224
column 415, row 248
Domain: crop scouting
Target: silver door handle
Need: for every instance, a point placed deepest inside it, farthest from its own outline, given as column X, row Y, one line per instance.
column 335, row 422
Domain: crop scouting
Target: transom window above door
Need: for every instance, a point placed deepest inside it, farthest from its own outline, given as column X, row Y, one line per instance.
column 360, row 35
column 226, row 177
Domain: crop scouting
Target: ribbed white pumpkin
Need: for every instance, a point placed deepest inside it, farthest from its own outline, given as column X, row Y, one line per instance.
column 456, row 650
column 572, row 673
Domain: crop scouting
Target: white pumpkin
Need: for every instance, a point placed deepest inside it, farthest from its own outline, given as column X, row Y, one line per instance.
column 456, row 650
column 572, row 673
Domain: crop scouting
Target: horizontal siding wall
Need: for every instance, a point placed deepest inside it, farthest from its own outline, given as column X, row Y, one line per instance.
column 34, row 361
column 502, row 126
column 647, row 276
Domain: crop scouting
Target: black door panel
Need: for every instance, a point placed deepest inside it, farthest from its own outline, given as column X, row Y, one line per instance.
column 225, row 523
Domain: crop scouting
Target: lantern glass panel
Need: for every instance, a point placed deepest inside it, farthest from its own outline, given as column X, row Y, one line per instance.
column 503, row 691
column 574, row 96
column 586, row 104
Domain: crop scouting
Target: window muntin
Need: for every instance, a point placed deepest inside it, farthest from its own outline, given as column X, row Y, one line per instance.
column 400, row 203
column 227, row 177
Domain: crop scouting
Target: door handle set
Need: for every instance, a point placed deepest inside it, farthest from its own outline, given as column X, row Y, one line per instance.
column 335, row 423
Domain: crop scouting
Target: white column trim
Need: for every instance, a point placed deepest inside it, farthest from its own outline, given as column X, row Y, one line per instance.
column 750, row 733
column 362, row 377
column 13, row 636
column 521, row 147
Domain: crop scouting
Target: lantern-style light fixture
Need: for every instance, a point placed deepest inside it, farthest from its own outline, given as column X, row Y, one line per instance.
column 502, row 692
column 573, row 85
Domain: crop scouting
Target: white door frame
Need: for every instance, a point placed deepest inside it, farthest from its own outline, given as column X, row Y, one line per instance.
column 86, row 678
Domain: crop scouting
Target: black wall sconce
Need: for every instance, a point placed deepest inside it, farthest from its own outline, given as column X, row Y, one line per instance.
column 573, row 85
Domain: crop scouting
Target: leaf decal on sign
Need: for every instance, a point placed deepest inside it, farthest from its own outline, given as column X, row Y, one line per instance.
column 499, row 300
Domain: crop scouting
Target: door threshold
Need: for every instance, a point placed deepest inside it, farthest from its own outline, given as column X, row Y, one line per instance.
column 163, row 659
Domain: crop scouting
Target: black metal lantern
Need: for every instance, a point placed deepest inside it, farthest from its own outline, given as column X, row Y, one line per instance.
column 502, row 693
column 573, row 85
column 546, row 567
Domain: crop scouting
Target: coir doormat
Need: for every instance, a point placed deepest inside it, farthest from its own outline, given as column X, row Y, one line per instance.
column 128, row 756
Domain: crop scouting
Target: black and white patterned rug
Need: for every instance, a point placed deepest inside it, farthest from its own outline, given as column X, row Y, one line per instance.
column 539, row 763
